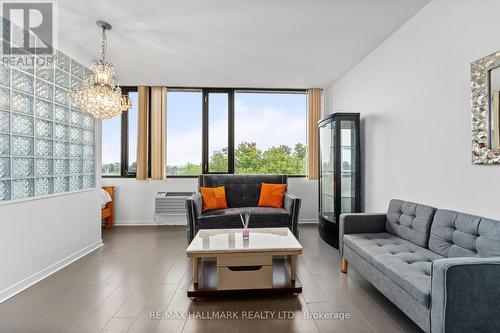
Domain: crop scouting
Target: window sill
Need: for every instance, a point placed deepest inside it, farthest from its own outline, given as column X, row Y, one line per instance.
column 16, row 201
column 187, row 176
column 117, row 176
column 133, row 176
column 183, row 176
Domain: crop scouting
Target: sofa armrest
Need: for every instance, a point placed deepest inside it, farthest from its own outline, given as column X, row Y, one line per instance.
column 291, row 203
column 465, row 295
column 194, row 206
column 359, row 223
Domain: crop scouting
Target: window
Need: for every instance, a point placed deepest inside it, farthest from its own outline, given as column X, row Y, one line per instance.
column 270, row 132
column 217, row 128
column 119, row 140
column 111, row 151
column 184, row 132
column 236, row 131
column 217, row 131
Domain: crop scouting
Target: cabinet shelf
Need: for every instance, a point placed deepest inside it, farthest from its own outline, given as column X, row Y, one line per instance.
column 339, row 181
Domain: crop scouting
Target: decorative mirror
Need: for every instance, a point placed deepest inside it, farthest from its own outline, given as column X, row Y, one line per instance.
column 485, row 79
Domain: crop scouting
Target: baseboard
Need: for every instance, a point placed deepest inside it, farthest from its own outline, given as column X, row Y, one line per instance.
column 42, row 274
column 160, row 220
column 135, row 223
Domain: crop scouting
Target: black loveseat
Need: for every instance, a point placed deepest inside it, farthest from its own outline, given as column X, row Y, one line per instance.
column 242, row 196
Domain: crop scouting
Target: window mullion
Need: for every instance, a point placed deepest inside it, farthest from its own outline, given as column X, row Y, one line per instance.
column 230, row 148
column 205, row 129
column 124, row 144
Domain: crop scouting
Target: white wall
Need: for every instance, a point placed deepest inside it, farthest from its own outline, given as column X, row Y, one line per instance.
column 413, row 93
column 134, row 203
column 41, row 235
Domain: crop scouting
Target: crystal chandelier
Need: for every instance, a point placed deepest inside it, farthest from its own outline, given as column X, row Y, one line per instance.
column 100, row 94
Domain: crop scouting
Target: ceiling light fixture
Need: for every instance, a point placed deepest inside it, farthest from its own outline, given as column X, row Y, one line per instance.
column 100, row 95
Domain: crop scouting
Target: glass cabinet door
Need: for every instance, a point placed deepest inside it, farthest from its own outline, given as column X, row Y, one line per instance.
column 339, row 172
column 347, row 166
column 327, row 171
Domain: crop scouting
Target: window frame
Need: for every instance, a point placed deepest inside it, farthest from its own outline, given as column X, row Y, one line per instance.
column 269, row 90
column 231, row 123
column 124, row 173
column 206, row 129
column 188, row 89
column 124, row 158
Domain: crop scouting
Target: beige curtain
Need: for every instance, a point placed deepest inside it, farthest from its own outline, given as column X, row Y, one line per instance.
column 313, row 116
column 142, row 133
column 158, row 140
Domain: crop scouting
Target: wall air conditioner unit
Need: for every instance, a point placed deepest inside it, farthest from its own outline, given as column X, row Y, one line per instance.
column 170, row 208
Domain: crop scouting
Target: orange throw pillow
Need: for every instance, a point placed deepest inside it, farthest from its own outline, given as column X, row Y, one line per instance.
column 271, row 195
column 213, row 198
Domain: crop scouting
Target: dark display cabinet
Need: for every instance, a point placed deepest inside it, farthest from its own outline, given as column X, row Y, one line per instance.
column 339, row 172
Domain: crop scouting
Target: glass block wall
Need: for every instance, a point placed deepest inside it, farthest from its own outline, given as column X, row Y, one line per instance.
column 46, row 141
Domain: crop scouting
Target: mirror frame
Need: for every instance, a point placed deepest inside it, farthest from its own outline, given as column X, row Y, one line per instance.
column 480, row 81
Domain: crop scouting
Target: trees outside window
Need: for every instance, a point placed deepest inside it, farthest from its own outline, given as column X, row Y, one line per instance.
column 119, row 140
column 111, row 147
column 270, row 132
column 184, row 132
column 238, row 131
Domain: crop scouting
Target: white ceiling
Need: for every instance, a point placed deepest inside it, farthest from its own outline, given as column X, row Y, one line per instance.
column 231, row 43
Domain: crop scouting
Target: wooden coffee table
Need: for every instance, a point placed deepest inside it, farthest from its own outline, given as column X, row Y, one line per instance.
column 226, row 264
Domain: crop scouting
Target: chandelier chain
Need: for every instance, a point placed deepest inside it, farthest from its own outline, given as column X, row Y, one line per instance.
column 100, row 94
column 104, row 44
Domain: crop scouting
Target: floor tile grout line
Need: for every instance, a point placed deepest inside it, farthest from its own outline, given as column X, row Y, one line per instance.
column 172, row 266
column 374, row 301
column 99, row 304
column 315, row 323
column 166, row 307
column 360, row 312
column 185, row 320
column 132, row 293
column 131, row 259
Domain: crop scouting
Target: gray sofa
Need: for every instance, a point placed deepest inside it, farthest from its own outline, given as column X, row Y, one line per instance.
column 440, row 267
column 242, row 196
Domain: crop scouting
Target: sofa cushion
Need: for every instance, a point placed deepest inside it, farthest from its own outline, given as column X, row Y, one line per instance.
column 213, row 198
column 455, row 234
column 241, row 190
column 410, row 221
column 261, row 217
column 272, row 195
column 406, row 264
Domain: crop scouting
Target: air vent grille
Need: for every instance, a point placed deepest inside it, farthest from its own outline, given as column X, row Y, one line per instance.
column 171, row 203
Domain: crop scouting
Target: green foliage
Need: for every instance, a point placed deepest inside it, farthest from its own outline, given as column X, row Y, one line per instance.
column 186, row 170
column 248, row 159
column 281, row 159
column 111, row 169
column 218, row 161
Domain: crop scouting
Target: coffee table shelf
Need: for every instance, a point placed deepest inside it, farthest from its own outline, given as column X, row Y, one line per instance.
column 207, row 285
column 226, row 264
